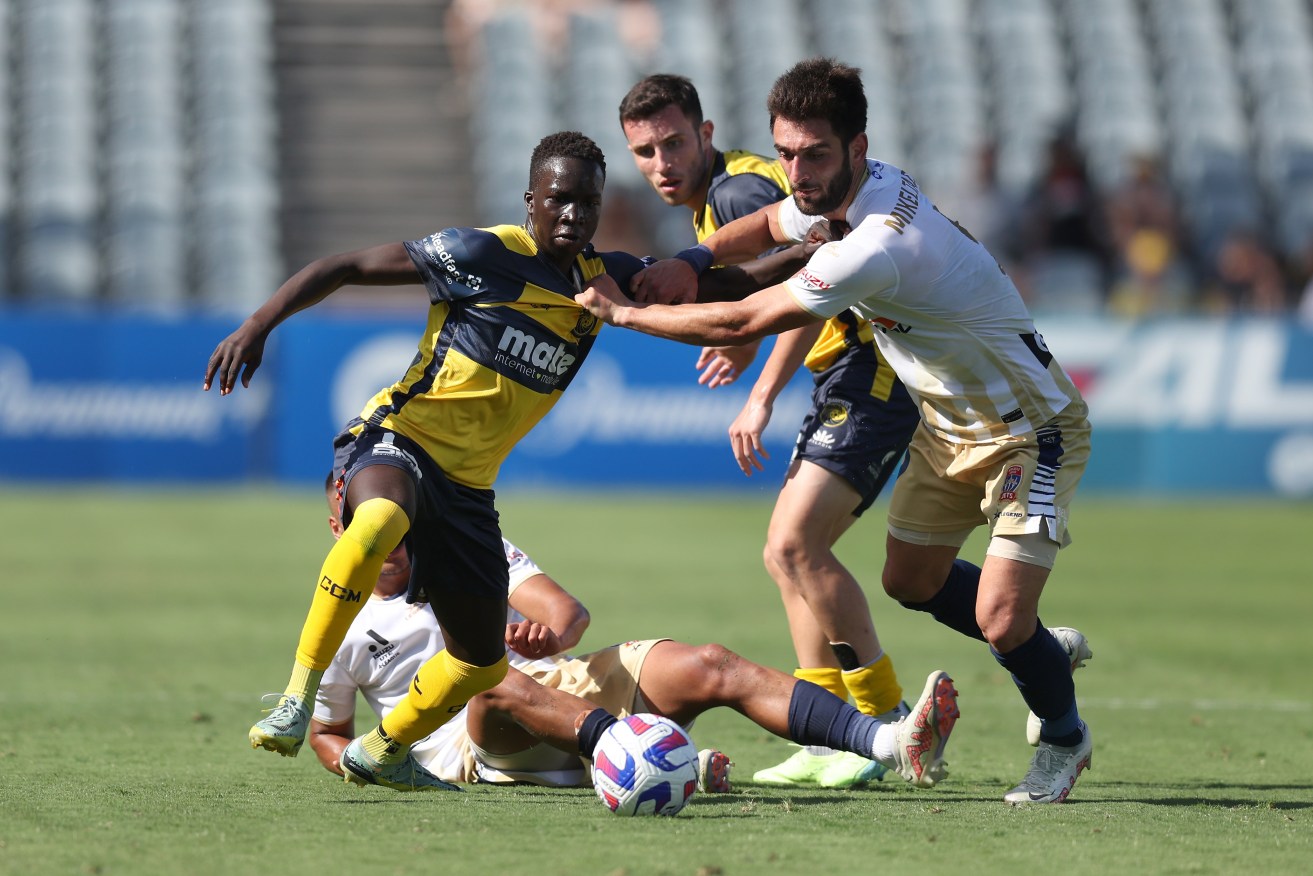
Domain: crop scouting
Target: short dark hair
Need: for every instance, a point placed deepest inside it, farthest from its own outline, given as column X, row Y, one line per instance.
column 651, row 94
column 565, row 144
column 820, row 88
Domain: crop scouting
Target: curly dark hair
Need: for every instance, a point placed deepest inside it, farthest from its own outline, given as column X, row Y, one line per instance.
column 565, row 144
column 651, row 94
column 821, row 88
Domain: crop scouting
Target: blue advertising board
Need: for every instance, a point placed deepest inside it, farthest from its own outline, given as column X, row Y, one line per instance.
column 1179, row 406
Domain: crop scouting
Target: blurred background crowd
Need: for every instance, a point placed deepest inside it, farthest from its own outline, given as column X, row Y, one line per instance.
column 1121, row 157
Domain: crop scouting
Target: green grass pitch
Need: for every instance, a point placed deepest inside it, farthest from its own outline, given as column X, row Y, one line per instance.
column 138, row 631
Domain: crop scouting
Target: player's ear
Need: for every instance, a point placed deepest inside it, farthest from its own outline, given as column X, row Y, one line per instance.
column 708, row 127
column 857, row 148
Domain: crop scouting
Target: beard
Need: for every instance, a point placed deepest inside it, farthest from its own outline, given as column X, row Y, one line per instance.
column 831, row 195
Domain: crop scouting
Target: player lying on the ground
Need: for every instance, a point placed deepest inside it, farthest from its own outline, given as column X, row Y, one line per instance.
column 550, row 710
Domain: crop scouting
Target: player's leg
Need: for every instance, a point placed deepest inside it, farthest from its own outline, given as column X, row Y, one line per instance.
column 814, row 509
column 683, row 681
column 930, row 518
column 378, row 507
column 829, row 619
column 459, row 568
column 519, row 713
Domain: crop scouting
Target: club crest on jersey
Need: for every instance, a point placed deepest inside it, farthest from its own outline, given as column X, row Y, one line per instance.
column 1010, row 484
column 834, row 415
column 584, row 327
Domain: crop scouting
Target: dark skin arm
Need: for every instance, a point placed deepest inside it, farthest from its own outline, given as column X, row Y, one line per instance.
column 328, row 740
column 736, row 282
column 242, row 352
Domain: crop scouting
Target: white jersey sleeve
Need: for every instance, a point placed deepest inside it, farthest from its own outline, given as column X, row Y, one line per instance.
column 948, row 320
column 793, row 222
column 519, row 565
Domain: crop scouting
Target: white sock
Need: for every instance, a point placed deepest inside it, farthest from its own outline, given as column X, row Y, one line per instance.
column 820, row 750
column 886, row 740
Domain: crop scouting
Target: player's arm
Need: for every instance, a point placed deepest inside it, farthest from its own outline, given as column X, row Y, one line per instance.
column 770, row 311
column 555, row 620
column 785, row 359
column 676, row 279
column 328, row 740
column 243, row 350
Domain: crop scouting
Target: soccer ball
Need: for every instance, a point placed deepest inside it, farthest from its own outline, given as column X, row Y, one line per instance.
column 645, row 765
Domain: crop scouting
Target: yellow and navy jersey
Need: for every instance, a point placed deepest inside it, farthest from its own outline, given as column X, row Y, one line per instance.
column 741, row 183
column 849, row 333
column 504, row 339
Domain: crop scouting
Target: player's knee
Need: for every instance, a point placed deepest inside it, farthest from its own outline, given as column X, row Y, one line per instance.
column 717, row 668
column 501, row 696
column 1005, row 628
column 377, row 525
column 897, row 585
column 786, row 552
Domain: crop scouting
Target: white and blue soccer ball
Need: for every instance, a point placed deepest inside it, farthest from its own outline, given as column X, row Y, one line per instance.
column 645, row 765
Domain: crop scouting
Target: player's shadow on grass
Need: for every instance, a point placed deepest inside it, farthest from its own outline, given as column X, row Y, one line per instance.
column 1190, row 794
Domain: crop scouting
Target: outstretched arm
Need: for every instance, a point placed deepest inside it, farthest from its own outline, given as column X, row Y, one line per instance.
column 243, row 350
column 769, row 311
column 674, row 280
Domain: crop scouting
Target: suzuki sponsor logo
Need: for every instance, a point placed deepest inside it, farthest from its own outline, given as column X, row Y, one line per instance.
column 811, row 281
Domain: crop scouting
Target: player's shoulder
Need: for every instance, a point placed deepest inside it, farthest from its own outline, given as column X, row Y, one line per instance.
column 617, row 263
column 473, row 243
column 740, row 167
column 889, row 194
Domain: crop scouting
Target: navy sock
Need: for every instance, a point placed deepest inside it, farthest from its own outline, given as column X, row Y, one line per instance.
column 591, row 730
column 818, row 717
column 1041, row 670
column 954, row 605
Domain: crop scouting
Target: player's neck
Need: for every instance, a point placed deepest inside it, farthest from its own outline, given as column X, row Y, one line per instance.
column 854, row 186
column 698, row 202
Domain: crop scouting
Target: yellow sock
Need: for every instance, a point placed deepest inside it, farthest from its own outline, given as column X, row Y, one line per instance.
column 830, row 678
column 347, row 578
column 304, row 683
column 441, row 688
column 874, row 687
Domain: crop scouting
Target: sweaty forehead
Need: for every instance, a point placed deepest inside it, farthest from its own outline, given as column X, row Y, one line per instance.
column 561, row 173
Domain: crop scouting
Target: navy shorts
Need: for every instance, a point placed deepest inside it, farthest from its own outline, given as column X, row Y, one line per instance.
column 850, row 432
column 455, row 540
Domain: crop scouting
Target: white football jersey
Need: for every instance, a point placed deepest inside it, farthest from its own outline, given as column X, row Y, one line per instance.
column 385, row 646
column 947, row 318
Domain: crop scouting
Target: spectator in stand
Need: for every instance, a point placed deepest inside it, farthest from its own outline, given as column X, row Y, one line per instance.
column 1247, row 278
column 1066, row 247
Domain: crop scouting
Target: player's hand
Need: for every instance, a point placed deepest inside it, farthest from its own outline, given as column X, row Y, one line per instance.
column 745, row 435
column 532, row 639
column 823, row 231
column 240, row 352
column 669, row 281
column 603, row 299
column 721, row 366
